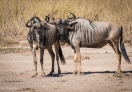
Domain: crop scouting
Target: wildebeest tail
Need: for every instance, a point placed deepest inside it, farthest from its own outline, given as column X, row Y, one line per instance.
column 122, row 47
column 61, row 56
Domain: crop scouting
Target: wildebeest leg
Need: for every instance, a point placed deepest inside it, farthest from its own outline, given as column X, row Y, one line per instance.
column 53, row 58
column 110, row 43
column 57, row 57
column 35, row 62
column 75, row 63
column 77, row 59
column 119, row 57
column 115, row 46
column 41, row 61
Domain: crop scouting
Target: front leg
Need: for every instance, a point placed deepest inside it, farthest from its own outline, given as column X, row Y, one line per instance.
column 41, row 61
column 75, row 63
column 77, row 59
column 35, row 63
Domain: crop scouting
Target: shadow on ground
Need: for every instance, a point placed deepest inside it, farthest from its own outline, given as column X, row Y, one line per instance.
column 86, row 73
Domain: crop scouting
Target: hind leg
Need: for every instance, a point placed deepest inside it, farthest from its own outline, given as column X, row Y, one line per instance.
column 119, row 57
column 115, row 46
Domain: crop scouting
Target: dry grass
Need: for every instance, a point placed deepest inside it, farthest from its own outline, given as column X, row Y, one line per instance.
column 15, row 13
column 13, row 50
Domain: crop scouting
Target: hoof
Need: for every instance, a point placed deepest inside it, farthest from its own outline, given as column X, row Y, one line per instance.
column 79, row 74
column 59, row 72
column 51, row 72
column 33, row 76
column 118, row 72
column 75, row 72
column 119, row 75
column 43, row 75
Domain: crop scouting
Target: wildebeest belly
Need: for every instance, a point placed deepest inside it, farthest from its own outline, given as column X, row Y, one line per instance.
column 95, row 45
column 90, row 41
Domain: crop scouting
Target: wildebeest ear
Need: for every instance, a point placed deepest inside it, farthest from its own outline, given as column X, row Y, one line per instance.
column 70, row 26
column 36, row 25
column 54, row 22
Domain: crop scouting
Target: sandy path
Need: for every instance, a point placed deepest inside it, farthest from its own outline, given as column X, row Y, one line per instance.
column 98, row 66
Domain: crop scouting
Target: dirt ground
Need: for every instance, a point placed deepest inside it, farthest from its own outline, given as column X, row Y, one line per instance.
column 98, row 72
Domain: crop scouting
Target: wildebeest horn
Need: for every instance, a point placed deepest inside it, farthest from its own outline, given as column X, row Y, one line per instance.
column 36, row 20
column 47, row 18
column 27, row 24
column 70, row 19
column 74, row 17
column 32, row 21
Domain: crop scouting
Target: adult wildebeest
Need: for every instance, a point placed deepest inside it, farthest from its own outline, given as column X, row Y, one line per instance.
column 79, row 32
column 43, row 35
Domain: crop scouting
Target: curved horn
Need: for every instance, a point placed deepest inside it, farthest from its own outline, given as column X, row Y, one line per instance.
column 70, row 19
column 74, row 17
column 32, row 21
column 47, row 18
column 36, row 20
column 27, row 24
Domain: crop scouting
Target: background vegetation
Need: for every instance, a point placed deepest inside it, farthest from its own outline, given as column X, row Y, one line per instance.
column 15, row 13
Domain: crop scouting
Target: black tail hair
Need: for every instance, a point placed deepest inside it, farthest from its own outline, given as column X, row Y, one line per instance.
column 122, row 47
column 61, row 56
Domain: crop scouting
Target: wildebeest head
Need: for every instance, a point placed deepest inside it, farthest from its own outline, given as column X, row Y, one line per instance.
column 37, row 32
column 29, row 24
column 63, row 27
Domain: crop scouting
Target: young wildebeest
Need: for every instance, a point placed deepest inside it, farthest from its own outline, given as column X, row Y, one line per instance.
column 43, row 35
column 96, row 34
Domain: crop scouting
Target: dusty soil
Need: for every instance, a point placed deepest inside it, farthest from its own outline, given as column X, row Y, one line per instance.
column 98, row 72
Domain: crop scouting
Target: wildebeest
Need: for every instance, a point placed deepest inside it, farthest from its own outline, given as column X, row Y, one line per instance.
column 80, row 32
column 43, row 35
